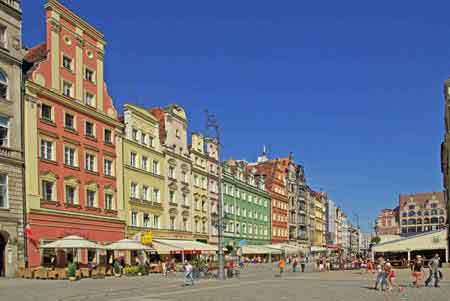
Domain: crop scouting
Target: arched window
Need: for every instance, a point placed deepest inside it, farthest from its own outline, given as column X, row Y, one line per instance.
column 419, row 213
column 427, row 213
column 441, row 212
column 3, row 85
column 404, row 214
column 411, row 221
column 404, row 222
column 441, row 220
column 434, row 220
column 426, row 220
column 434, row 212
column 419, row 221
column 411, row 213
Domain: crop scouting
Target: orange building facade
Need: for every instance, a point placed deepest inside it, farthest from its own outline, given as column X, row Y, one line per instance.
column 72, row 134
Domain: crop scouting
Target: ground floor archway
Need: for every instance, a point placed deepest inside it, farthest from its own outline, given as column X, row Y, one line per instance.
column 3, row 242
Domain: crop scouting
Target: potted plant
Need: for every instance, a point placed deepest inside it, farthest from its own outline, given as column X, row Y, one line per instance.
column 117, row 269
column 72, row 271
column 141, row 270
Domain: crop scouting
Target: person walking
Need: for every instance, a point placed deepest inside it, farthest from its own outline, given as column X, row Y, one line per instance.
column 188, row 276
column 391, row 276
column 302, row 263
column 281, row 266
column 435, row 273
column 380, row 282
column 294, row 264
column 417, row 270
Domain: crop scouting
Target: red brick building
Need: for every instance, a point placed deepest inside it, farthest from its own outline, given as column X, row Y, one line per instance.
column 387, row 222
column 71, row 138
column 273, row 174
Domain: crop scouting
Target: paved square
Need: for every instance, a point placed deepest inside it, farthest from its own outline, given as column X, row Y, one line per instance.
column 255, row 283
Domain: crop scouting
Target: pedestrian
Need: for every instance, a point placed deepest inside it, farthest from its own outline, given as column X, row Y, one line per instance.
column 294, row 264
column 188, row 273
column 281, row 265
column 164, row 268
column 303, row 263
column 321, row 265
column 391, row 276
column 435, row 273
column 417, row 270
column 380, row 282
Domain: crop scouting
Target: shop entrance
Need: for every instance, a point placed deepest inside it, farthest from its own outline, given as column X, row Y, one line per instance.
column 3, row 242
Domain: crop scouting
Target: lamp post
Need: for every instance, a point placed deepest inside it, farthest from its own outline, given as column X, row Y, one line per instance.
column 212, row 123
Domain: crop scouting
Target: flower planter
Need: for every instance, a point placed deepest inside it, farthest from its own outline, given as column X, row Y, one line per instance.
column 73, row 278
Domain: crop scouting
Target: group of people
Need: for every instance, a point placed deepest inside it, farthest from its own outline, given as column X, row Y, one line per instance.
column 386, row 275
column 295, row 261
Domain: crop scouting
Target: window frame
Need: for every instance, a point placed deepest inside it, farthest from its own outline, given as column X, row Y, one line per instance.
column 8, row 131
column 4, row 188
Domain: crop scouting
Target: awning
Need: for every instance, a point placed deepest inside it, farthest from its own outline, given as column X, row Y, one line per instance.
column 258, row 249
column 287, row 249
column 318, row 249
column 435, row 240
column 183, row 246
column 128, row 245
column 72, row 242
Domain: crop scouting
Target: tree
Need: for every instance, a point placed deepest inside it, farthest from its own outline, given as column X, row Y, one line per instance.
column 375, row 240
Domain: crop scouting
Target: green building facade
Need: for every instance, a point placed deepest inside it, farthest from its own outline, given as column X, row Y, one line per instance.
column 246, row 206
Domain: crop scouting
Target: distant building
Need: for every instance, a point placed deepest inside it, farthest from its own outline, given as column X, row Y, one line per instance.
column 364, row 242
column 331, row 223
column 422, row 212
column 387, row 222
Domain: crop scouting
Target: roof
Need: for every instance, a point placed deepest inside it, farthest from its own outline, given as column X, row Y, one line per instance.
column 159, row 115
column 421, row 198
column 36, row 53
column 424, row 241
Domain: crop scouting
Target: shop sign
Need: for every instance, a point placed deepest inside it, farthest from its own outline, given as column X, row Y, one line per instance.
column 147, row 238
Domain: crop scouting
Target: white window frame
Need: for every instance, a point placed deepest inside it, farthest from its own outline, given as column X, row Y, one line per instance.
column 87, row 162
column 48, row 146
column 5, row 123
column 4, row 189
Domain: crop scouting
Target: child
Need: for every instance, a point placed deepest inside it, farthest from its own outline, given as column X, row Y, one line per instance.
column 380, row 282
column 391, row 276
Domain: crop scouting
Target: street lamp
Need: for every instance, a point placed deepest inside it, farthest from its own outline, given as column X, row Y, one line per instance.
column 212, row 123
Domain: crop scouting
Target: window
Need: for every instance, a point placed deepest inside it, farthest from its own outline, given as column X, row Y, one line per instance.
column 67, row 62
column 90, row 99
column 196, row 226
column 145, row 193
column 143, row 138
column 172, row 223
column 150, row 141
column 195, row 180
column 46, row 149
column 204, row 227
column 3, row 85
column 89, row 75
column 156, row 195
column 4, row 131
column 134, row 191
column 108, row 201
column 69, row 156
column 156, row 222
column 70, row 195
column 203, row 205
column 69, row 121
column 3, row 39
column 90, row 162
column 134, row 218
column 67, row 89
column 47, row 191
column 177, row 133
column 197, row 204
column 146, row 220
column 90, row 198
column 107, row 168
column 171, row 172
column 185, row 228
column 185, row 200
column 411, row 213
column 133, row 159
column 108, row 136
column 184, row 176
column 144, row 162
column 172, row 196
column 155, row 167
column 404, row 214
column 89, row 129
column 46, row 112
column 4, row 191
column 134, row 135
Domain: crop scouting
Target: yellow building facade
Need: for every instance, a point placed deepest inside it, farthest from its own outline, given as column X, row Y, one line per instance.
column 200, row 201
column 320, row 221
column 143, row 176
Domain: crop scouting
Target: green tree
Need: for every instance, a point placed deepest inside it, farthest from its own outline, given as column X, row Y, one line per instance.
column 375, row 240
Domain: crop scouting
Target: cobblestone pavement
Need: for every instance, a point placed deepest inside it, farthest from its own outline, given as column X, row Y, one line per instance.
column 255, row 283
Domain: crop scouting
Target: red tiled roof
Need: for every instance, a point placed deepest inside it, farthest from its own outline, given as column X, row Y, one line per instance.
column 159, row 115
column 37, row 53
column 422, row 197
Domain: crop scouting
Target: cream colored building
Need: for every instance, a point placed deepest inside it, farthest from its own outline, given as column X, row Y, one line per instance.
column 178, row 169
column 213, row 168
column 144, row 186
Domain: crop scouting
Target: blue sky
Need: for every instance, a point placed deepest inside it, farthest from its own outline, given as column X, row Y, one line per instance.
column 354, row 89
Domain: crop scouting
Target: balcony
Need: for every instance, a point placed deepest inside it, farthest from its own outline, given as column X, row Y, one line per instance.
column 13, row 3
column 9, row 153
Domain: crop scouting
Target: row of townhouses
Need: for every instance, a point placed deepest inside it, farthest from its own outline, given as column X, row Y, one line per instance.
column 71, row 164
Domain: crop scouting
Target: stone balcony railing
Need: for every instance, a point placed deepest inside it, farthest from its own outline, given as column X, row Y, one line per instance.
column 13, row 3
column 10, row 153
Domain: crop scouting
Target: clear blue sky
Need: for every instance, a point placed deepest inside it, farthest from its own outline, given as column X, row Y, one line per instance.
column 352, row 88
